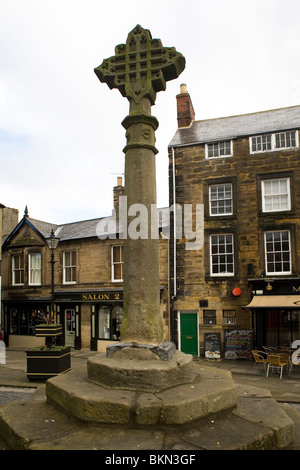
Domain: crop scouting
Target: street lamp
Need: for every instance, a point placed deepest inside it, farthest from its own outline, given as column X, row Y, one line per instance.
column 52, row 243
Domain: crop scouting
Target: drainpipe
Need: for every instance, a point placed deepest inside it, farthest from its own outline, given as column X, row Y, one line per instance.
column 175, row 222
column 0, row 306
column 174, row 249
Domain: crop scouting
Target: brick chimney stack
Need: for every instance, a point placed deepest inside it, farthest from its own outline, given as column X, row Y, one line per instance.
column 185, row 110
column 118, row 191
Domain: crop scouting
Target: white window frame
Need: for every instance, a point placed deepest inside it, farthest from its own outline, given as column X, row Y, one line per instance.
column 115, row 263
column 220, row 199
column 34, row 271
column 70, row 266
column 286, row 135
column 277, row 252
column 273, row 141
column 218, row 144
column 275, row 195
column 262, row 143
column 222, row 254
column 14, row 270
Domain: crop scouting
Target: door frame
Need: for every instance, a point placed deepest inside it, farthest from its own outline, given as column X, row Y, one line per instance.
column 61, row 318
column 73, row 310
column 183, row 312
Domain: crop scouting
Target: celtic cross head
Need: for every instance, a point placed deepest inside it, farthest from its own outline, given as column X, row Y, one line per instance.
column 141, row 67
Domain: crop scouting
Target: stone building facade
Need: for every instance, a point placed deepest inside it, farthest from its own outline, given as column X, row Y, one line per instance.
column 88, row 282
column 9, row 217
column 242, row 287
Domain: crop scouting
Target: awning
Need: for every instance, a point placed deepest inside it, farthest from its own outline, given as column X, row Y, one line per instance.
column 274, row 301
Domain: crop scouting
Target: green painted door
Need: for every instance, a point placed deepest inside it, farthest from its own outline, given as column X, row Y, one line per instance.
column 189, row 333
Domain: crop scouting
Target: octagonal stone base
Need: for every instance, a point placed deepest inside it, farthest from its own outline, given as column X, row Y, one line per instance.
column 209, row 391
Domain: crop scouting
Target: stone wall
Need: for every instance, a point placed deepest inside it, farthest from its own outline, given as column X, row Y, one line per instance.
column 193, row 174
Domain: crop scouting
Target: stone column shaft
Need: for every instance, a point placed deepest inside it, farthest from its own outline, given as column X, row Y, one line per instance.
column 142, row 321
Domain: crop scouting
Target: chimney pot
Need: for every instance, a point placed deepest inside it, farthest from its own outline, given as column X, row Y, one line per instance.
column 183, row 88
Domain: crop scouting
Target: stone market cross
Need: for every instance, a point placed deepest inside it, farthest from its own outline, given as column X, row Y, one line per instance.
column 139, row 69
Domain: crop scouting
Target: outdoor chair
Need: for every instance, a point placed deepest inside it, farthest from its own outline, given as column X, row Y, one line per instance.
column 269, row 349
column 278, row 362
column 286, row 357
column 260, row 357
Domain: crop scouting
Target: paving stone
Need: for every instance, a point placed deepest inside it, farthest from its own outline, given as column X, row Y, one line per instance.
column 10, row 394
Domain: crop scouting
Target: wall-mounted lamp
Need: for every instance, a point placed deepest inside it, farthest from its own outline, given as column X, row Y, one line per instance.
column 268, row 286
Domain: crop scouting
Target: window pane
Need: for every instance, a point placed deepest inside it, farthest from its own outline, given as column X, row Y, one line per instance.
column 67, row 275
column 35, row 271
column 277, row 245
column 67, row 258
column 222, row 254
column 276, row 194
column 229, row 316
column 73, row 258
column 117, row 263
column 116, row 321
column 117, row 271
column 214, row 208
column 209, row 317
column 283, row 186
column 70, row 266
column 285, row 139
column 268, row 187
column 214, row 249
column 116, row 254
column 219, row 149
column 18, row 269
column 261, row 143
column 104, row 323
column 220, row 199
column 16, row 260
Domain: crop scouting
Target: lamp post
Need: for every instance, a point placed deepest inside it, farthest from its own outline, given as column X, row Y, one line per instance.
column 52, row 243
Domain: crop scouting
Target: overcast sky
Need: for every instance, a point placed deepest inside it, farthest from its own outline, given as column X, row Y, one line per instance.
column 61, row 137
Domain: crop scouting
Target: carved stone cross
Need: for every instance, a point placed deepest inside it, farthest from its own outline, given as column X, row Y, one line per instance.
column 139, row 69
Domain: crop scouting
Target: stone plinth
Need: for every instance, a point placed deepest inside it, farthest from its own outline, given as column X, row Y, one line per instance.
column 210, row 391
column 141, row 370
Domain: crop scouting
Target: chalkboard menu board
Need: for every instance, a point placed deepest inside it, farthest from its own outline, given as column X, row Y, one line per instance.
column 212, row 345
column 238, row 344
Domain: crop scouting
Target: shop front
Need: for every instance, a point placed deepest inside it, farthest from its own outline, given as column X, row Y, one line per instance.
column 20, row 319
column 277, row 327
column 275, row 308
column 91, row 318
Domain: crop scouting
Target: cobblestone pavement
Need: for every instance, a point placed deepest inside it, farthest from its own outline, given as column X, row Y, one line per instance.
column 9, row 394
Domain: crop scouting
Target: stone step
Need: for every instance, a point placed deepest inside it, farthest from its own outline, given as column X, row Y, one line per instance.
column 256, row 422
column 209, row 391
